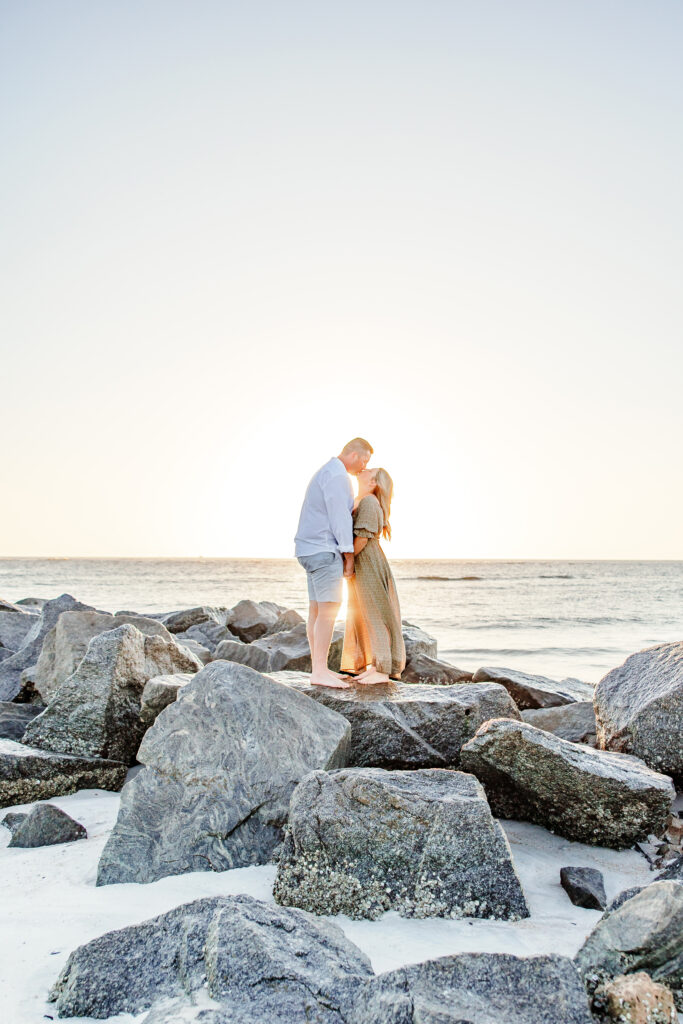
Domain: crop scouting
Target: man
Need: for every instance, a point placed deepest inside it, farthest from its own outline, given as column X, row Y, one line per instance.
column 324, row 547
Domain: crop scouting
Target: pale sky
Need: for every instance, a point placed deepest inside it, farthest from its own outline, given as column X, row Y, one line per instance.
column 235, row 235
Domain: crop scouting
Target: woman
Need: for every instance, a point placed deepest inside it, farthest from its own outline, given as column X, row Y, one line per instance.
column 373, row 640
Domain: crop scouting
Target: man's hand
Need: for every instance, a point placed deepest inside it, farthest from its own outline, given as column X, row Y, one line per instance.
column 348, row 565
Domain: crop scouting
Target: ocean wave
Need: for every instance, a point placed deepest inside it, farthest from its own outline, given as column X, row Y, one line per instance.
column 443, row 579
column 556, row 576
column 495, row 652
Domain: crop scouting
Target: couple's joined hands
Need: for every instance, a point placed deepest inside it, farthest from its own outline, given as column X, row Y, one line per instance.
column 348, row 565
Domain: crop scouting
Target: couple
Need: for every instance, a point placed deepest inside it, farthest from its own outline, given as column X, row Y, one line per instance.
column 337, row 538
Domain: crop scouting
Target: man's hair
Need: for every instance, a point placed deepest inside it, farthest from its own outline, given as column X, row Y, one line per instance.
column 358, row 445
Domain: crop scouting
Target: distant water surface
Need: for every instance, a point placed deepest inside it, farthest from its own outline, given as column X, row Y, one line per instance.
column 557, row 618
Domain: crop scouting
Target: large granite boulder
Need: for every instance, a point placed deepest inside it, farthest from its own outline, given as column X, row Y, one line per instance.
column 639, row 708
column 361, row 841
column 420, row 668
column 417, row 642
column 28, row 774
column 476, row 988
column 407, row 725
column 27, row 655
column 221, row 764
column 65, row 645
column 285, row 621
column 249, row 620
column 46, row 825
column 242, row 654
column 209, row 634
column 573, row 722
column 179, row 622
column 96, row 711
column 15, row 624
column 14, row 718
column 277, row 652
column 645, row 933
column 583, row 794
column 159, row 692
column 258, row 961
column 532, row 691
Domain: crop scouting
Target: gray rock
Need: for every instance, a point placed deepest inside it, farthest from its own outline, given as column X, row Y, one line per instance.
column 583, row 794
column 159, row 692
column 66, row 644
column 417, row 642
column 287, row 620
column 258, row 960
column 14, row 718
column 674, row 871
column 361, row 841
column 179, row 622
column 46, row 825
column 645, row 933
column 15, row 624
column 96, row 711
column 28, row 774
column 13, row 820
column 35, row 604
column 278, row 652
column 222, row 762
column 10, row 606
column 242, row 654
column 249, row 620
column 5, row 652
column 639, row 708
column 407, row 725
column 420, row 668
column 209, row 634
column 584, row 886
column 476, row 988
column 573, row 722
column 531, row 691
column 202, row 654
column 11, row 668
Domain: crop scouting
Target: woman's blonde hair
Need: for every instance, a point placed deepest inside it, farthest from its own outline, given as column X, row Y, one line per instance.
column 384, row 489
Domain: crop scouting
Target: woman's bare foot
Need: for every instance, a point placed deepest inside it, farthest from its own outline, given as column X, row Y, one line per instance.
column 372, row 676
column 328, row 678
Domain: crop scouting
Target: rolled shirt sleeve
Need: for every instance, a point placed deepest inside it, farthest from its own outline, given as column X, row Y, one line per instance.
column 339, row 504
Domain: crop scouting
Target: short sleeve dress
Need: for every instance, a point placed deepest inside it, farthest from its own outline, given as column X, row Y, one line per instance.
column 373, row 634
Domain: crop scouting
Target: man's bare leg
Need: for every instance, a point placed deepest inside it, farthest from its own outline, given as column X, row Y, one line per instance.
column 310, row 626
column 322, row 638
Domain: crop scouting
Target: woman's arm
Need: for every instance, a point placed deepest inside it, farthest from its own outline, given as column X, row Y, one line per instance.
column 358, row 544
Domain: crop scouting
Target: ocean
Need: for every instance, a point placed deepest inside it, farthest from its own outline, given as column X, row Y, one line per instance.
column 557, row 618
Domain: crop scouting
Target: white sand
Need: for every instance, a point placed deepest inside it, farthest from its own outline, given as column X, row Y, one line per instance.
column 50, row 905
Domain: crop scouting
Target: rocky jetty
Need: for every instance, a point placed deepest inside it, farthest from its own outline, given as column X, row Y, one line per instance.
column 361, row 841
column 220, row 766
column 587, row 795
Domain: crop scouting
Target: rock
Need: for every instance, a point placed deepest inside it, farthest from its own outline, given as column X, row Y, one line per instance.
column 96, row 711
column 254, row 958
column 222, row 762
column 179, row 622
column 636, row 999
column 644, row 934
column 66, row 644
column 639, row 708
column 586, row 795
column 530, row 691
column 28, row 774
column 361, row 841
column 47, row 825
column 242, row 654
column 420, row 668
column 585, row 887
column 674, row 870
column 10, row 606
column 5, row 653
column 417, row 642
column 476, row 988
column 202, row 654
column 11, row 668
column 288, row 650
column 209, row 634
column 15, row 624
column 289, row 619
column 159, row 692
column 249, row 620
column 14, row 718
column 35, row 604
column 409, row 725
column 13, row 820
column 573, row 722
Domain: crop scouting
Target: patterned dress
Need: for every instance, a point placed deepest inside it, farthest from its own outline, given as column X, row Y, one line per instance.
column 373, row 633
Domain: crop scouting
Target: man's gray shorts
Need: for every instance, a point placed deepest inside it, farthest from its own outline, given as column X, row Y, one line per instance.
column 324, row 571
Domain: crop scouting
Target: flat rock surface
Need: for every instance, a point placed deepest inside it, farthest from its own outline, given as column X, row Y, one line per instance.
column 533, row 691
column 405, row 725
column 584, row 794
column 28, row 774
column 639, row 708
column 46, row 825
column 476, row 988
column 573, row 722
column 221, row 764
column 256, row 958
column 361, row 841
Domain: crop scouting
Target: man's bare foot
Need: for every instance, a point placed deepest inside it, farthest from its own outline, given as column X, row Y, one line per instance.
column 373, row 676
column 328, row 678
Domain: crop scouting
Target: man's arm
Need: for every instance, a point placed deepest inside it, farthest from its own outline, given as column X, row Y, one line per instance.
column 338, row 502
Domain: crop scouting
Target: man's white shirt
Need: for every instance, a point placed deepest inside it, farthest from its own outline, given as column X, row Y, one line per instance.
column 326, row 523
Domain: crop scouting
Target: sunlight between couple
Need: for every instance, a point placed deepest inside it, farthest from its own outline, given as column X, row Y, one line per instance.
column 338, row 537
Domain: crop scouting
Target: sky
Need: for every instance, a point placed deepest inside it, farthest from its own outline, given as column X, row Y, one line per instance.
column 236, row 235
